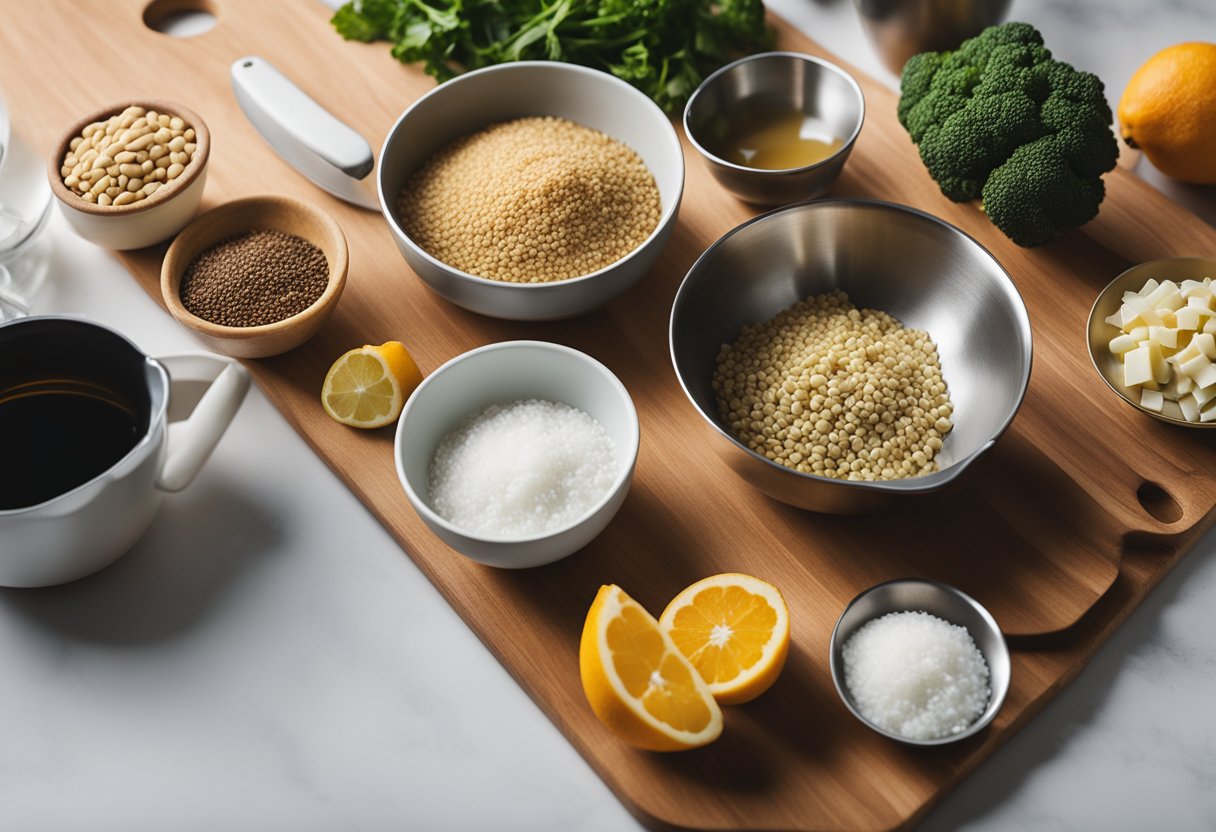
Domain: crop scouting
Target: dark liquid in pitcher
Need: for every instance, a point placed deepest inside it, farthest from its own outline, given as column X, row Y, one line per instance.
column 57, row 435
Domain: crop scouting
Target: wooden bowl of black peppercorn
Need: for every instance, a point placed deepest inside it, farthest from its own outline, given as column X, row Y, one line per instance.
column 257, row 276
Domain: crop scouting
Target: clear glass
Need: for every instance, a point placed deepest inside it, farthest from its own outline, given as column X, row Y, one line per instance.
column 25, row 205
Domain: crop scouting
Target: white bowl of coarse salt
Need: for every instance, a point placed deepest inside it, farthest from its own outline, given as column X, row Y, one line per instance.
column 920, row 662
column 519, row 453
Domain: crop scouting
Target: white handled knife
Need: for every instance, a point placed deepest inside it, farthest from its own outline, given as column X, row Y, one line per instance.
column 312, row 140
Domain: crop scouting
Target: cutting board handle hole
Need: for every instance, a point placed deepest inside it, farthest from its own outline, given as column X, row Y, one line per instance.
column 180, row 18
column 1159, row 503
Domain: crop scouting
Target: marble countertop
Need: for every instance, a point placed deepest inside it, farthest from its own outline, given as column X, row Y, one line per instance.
column 290, row 668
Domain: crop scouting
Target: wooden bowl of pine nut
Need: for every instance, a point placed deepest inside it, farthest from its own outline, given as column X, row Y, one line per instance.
column 257, row 276
column 131, row 174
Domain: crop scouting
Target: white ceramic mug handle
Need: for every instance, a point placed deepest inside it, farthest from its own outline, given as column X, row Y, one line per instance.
column 191, row 441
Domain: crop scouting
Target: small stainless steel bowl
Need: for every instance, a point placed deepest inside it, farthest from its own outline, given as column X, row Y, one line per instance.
column 780, row 82
column 1099, row 332
column 948, row 604
column 925, row 272
column 900, row 29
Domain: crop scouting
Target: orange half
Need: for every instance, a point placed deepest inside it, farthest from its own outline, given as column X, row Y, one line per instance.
column 637, row 681
column 735, row 629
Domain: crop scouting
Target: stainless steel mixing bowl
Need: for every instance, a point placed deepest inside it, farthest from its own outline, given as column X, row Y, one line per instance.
column 902, row 28
column 777, row 82
column 925, row 272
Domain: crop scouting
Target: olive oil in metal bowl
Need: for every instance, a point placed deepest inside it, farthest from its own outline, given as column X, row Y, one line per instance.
column 776, row 138
column 777, row 127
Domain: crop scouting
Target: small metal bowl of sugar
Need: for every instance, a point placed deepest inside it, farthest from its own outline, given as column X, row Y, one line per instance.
column 920, row 662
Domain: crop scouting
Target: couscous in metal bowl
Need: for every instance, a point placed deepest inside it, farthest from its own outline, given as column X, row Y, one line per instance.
column 911, row 265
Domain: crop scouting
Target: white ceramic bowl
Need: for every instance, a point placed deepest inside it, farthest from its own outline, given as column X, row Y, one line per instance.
column 504, row 372
column 150, row 220
column 477, row 99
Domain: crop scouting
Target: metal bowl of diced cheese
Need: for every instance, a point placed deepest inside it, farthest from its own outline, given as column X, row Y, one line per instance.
column 1152, row 338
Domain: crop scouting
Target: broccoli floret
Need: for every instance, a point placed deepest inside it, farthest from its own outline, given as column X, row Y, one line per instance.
column 1000, row 119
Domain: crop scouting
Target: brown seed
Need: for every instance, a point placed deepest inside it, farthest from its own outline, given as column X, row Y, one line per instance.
column 255, row 278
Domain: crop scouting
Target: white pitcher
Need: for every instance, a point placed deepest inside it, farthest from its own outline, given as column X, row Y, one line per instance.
column 64, row 536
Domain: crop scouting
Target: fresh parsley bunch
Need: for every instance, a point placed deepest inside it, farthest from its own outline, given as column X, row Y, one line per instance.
column 662, row 47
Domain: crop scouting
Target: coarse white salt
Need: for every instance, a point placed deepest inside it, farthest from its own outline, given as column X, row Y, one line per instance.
column 522, row 468
column 913, row 674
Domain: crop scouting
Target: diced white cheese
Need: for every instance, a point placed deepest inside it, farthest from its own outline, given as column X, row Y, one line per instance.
column 1169, row 392
column 1165, row 296
column 1208, row 415
column 1187, row 318
column 1122, row 343
column 1192, row 366
column 1188, row 352
column 1206, row 377
column 1190, row 408
column 1138, row 312
column 1138, row 367
column 1168, row 345
column 1161, row 370
column 1152, row 400
column 1203, row 395
column 1164, row 335
column 1195, row 289
column 1206, row 344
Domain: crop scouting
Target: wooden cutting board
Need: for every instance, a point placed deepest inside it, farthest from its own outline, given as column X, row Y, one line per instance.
column 1076, row 514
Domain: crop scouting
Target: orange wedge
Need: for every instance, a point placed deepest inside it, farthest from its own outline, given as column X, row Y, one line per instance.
column 638, row 683
column 735, row 629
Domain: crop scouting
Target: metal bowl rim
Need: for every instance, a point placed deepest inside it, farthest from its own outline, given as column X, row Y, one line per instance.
column 841, row 152
column 997, row 698
column 1093, row 359
column 929, row 482
column 666, row 218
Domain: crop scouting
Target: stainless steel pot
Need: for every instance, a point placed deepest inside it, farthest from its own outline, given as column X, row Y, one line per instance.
column 902, row 28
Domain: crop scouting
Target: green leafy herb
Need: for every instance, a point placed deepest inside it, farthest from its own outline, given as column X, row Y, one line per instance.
column 662, row 47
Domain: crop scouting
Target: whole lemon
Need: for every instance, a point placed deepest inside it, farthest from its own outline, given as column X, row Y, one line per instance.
column 1169, row 111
